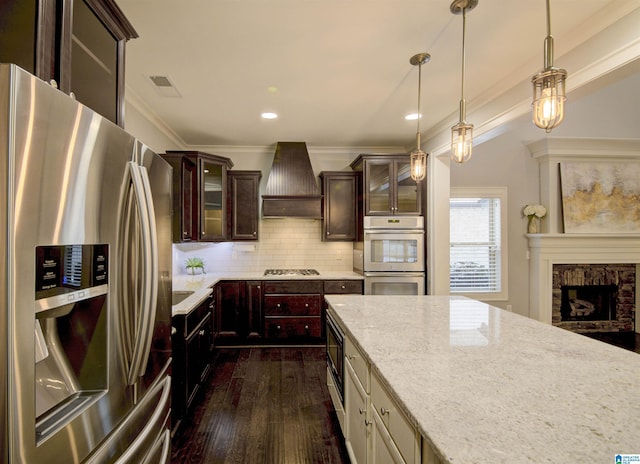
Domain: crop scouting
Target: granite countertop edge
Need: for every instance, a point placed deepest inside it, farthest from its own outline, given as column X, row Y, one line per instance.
column 202, row 284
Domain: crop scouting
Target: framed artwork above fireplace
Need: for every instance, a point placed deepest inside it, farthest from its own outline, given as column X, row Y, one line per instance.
column 600, row 196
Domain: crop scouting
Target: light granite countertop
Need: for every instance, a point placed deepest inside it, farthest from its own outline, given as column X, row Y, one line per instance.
column 201, row 284
column 484, row 385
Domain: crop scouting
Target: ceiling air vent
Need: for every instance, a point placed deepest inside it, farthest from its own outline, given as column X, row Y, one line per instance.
column 164, row 86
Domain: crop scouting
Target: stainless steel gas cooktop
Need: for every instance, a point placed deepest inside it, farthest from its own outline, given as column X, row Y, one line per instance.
column 291, row 272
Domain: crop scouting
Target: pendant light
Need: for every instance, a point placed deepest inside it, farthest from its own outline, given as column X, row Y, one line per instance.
column 548, row 88
column 462, row 133
column 418, row 157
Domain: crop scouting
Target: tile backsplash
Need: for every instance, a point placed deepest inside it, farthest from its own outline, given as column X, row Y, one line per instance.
column 284, row 243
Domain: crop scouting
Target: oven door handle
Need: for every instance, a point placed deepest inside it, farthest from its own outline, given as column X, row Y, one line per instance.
column 393, row 232
column 402, row 274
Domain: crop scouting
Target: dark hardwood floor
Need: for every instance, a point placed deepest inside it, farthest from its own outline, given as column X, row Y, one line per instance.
column 263, row 405
column 627, row 340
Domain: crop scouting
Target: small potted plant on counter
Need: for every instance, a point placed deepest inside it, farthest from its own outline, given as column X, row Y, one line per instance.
column 193, row 264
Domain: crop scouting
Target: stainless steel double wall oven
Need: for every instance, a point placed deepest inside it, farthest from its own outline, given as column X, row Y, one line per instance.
column 391, row 256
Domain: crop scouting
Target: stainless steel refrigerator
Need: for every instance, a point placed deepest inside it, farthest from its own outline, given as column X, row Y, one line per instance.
column 85, row 248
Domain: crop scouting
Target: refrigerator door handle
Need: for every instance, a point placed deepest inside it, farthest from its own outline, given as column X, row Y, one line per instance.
column 156, row 417
column 143, row 333
column 152, row 275
column 165, row 454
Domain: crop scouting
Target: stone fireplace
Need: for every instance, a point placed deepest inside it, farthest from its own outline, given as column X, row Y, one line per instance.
column 594, row 297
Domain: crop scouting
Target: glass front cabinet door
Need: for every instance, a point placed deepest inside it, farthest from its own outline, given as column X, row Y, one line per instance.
column 213, row 199
column 199, row 195
column 387, row 185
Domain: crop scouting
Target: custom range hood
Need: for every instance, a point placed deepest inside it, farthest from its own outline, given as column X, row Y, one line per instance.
column 292, row 189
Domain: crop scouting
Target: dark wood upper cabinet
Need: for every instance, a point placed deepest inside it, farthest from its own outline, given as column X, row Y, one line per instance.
column 185, row 198
column 243, row 213
column 199, row 195
column 339, row 206
column 79, row 44
column 387, row 186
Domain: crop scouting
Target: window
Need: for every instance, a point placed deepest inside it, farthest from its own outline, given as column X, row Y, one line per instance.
column 478, row 242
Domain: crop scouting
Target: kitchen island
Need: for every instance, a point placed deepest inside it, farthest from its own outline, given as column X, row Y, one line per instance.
column 483, row 385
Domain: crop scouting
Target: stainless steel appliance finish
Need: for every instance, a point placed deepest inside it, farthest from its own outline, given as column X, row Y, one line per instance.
column 86, row 294
column 394, row 283
column 335, row 366
column 291, row 272
column 391, row 257
column 393, row 244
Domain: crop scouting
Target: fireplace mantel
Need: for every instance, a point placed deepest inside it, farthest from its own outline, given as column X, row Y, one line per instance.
column 549, row 249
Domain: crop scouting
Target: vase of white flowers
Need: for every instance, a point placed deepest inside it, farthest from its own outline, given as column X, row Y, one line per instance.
column 534, row 213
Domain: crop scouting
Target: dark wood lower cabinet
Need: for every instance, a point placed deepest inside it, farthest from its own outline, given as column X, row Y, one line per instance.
column 255, row 312
column 293, row 310
column 230, row 306
column 192, row 347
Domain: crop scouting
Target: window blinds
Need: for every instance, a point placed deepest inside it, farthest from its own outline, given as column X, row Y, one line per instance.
column 475, row 245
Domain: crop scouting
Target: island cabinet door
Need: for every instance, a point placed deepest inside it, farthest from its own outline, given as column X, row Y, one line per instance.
column 382, row 446
column 357, row 418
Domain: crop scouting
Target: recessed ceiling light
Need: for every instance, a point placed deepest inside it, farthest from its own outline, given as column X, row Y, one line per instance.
column 269, row 115
column 412, row 117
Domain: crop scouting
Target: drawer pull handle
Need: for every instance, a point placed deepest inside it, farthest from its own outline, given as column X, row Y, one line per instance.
column 384, row 411
column 306, row 327
column 351, row 356
column 343, row 287
column 278, row 305
column 277, row 327
column 306, row 305
column 362, row 411
column 201, row 333
column 367, row 422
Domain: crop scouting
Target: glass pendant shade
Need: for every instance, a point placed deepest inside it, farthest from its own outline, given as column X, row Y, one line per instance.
column 461, row 142
column 549, row 93
column 548, row 98
column 418, row 164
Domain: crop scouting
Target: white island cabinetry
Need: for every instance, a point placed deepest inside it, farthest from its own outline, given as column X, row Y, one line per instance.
column 454, row 380
column 394, row 438
column 376, row 430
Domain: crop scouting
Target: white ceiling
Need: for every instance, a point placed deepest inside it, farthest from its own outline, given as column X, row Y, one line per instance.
column 337, row 71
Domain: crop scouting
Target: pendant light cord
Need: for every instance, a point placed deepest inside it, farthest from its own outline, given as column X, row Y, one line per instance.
column 419, row 87
column 463, row 106
column 548, row 19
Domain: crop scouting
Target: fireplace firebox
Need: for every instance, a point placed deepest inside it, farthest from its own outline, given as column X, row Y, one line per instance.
column 588, row 302
column 594, row 297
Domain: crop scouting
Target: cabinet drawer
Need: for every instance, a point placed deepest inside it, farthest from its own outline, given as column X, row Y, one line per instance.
column 194, row 318
column 402, row 432
column 358, row 362
column 292, row 286
column 293, row 305
column 343, row 286
column 292, row 327
column 185, row 324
